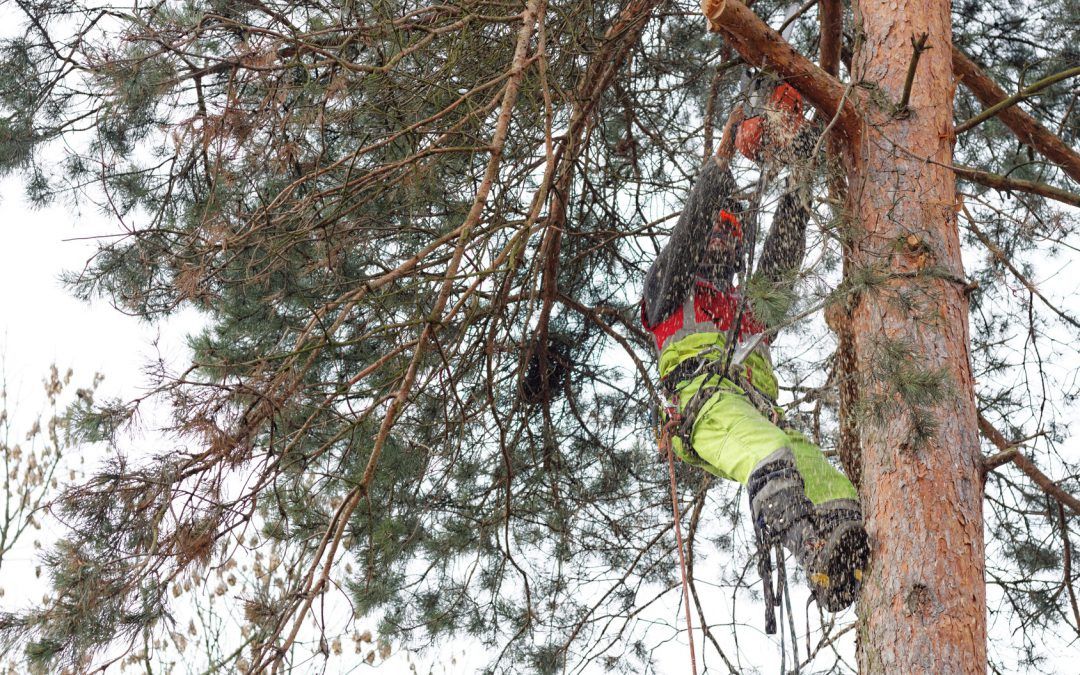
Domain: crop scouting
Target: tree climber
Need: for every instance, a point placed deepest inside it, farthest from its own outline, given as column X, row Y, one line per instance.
column 698, row 317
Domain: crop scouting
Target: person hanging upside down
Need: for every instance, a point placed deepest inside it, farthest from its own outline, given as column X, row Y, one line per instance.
column 692, row 308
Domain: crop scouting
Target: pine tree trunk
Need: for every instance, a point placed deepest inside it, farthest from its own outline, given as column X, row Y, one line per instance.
column 923, row 607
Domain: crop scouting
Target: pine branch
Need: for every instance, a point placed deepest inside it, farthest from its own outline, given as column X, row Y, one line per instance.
column 1011, row 452
column 1024, row 126
column 314, row 579
column 999, row 182
column 1025, row 93
column 623, row 34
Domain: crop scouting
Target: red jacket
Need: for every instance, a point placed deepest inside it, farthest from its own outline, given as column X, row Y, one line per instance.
column 708, row 310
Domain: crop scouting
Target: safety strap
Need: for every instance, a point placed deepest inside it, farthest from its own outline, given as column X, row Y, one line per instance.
column 664, row 443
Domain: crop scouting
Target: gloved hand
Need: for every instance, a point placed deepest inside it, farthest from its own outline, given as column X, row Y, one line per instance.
column 774, row 127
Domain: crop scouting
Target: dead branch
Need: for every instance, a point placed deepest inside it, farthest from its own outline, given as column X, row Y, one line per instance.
column 1026, row 127
column 1067, row 565
column 918, row 46
column 1001, row 257
column 1024, row 464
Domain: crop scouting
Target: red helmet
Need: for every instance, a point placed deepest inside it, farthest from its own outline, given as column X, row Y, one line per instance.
column 724, row 250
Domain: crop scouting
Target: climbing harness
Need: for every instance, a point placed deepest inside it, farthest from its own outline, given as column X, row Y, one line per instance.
column 681, row 424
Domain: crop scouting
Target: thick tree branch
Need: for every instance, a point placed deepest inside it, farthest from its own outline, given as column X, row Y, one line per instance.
column 831, row 20
column 1012, row 452
column 1026, row 127
column 999, row 182
column 760, row 45
column 1025, row 93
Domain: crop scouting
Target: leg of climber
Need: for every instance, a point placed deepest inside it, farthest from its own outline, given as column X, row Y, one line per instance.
column 797, row 497
column 838, row 517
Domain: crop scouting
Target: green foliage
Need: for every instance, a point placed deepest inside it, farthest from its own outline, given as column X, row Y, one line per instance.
column 900, row 385
column 770, row 301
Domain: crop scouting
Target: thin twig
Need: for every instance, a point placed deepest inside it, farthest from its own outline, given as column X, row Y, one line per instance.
column 795, row 15
column 1001, row 257
column 666, row 443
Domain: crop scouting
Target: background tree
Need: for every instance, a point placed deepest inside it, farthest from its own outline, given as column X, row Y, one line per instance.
column 35, row 451
column 34, row 460
column 411, row 229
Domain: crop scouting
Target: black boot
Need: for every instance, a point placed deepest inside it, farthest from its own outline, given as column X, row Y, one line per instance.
column 846, row 554
column 829, row 543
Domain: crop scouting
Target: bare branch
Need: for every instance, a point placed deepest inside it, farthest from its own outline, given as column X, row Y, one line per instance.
column 1024, row 464
column 918, row 46
column 1001, row 257
column 1067, row 565
column 999, row 182
column 1026, row 127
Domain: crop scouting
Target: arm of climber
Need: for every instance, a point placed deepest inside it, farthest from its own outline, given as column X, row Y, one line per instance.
column 784, row 247
column 671, row 277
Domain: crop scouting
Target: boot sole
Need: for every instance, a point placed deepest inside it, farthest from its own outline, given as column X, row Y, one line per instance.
column 848, row 555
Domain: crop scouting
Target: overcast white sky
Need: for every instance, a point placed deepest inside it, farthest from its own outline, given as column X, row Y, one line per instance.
column 41, row 323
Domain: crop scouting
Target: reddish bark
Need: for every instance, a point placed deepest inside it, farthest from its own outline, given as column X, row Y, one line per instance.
column 831, row 21
column 923, row 609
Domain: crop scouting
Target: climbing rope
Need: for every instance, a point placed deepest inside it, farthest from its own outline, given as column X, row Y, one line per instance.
column 664, row 440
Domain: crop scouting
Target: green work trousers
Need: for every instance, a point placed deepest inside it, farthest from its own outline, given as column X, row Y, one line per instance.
column 731, row 436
